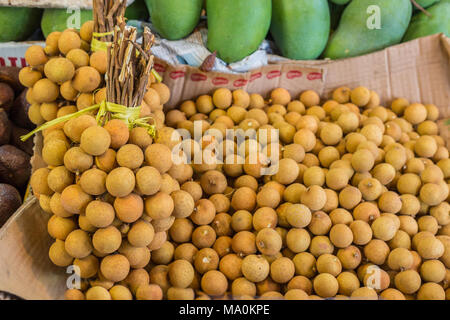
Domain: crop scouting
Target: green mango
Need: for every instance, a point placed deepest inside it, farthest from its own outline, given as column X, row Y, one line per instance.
column 18, row 23
column 174, row 19
column 421, row 25
column 426, row 3
column 62, row 19
column 236, row 28
column 353, row 37
column 300, row 27
column 137, row 11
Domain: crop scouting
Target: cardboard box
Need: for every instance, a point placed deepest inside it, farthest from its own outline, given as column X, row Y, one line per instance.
column 417, row 70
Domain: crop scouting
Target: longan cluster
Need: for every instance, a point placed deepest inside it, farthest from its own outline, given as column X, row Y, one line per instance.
column 357, row 210
column 112, row 198
column 63, row 77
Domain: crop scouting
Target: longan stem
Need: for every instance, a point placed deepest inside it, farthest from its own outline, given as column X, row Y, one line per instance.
column 129, row 66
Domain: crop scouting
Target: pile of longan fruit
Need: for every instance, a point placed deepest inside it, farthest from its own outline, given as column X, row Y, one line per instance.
column 65, row 77
column 102, row 185
column 357, row 210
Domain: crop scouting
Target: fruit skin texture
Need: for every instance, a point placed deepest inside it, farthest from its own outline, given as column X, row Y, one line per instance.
column 354, row 38
column 236, row 28
column 174, row 19
column 300, row 27
column 421, row 25
column 18, row 23
column 57, row 19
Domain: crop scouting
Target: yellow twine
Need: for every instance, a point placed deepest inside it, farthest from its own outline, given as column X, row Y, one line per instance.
column 129, row 115
column 97, row 45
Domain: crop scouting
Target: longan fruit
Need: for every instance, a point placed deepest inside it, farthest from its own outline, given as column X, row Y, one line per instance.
column 213, row 182
column 203, row 237
column 230, row 266
column 264, row 217
column 314, row 198
column 328, row 263
column 370, row 188
column 98, row 60
column 320, row 223
column 181, row 230
column 129, row 208
column 342, row 94
column 140, row 137
column 35, row 56
column 432, row 271
column 205, row 260
column 430, row 194
column 98, row 293
column 244, row 198
column 325, row 285
column 293, row 193
column 350, row 197
column 340, row 216
column 53, row 152
column 280, row 96
column 93, row 182
column 205, row 104
column 364, row 293
column 305, row 264
column 45, row 91
column 255, row 268
column 28, row 76
column 59, row 70
column 431, row 291
column 390, row 202
column 298, row 240
column 282, row 270
column 74, row 199
column 425, row 146
column 362, row 160
column 180, row 294
column 39, row 182
column 181, row 273
column 107, row 240
column 268, row 241
column 337, row 178
column 74, row 128
column 341, row 236
column 360, row 96
column 428, row 223
column 86, row 79
column 362, row 232
column 100, row 214
column 384, row 228
column 141, row 234
column 408, row 281
column 88, row 266
column 306, row 138
column 214, row 283
column 223, row 245
column 95, row 140
column 78, row 244
column 159, row 156
column 376, row 251
column 241, row 220
column 350, row 257
column 120, row 182
column 241, row 287
column 58, row 254
column 384, row 173
column 148, row 180
column 331, row 134
column 298, row 215
column 415, row 113
column 430, row 248
column 244, row 243
column 74, row 294
column 300, row 282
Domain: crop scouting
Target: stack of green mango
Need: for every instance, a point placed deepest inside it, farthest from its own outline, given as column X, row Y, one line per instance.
column 301, row 28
